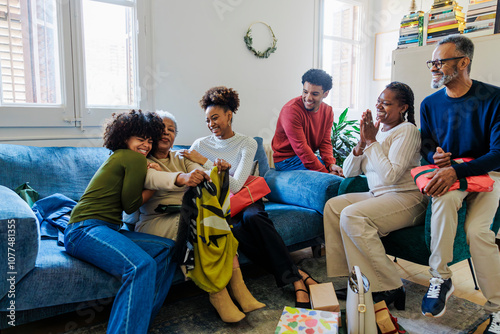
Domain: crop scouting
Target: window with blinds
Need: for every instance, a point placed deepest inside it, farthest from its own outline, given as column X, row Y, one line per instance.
column 29, row 56
column 69, row 63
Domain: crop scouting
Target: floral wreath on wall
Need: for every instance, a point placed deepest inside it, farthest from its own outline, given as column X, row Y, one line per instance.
column 249, row 41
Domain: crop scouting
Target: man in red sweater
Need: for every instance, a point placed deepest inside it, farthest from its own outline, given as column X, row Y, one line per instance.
column 305, row 126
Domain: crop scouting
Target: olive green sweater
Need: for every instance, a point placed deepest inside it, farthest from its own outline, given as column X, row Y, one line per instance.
column 115, row 187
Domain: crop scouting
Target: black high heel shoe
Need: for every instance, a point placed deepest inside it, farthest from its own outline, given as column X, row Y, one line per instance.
column 396, row 296
column 308, row 277
column 302, row 304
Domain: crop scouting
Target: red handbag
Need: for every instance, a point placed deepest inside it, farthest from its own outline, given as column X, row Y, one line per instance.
column 478, row 183
column 255, row 188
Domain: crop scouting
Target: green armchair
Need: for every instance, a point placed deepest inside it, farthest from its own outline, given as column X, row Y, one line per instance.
column 412, row 243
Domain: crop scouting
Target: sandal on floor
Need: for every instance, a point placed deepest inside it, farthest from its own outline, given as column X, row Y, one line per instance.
column 308, row 277
column 302, row 304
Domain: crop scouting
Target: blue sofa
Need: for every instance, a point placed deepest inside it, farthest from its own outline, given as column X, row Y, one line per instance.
column 40, row 280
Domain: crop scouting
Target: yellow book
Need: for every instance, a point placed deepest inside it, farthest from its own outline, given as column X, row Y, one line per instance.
column 473, row 2
column 451, row 26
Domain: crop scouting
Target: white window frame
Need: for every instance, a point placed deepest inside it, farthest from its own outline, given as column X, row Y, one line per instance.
column 72, row 111
column 360, row 100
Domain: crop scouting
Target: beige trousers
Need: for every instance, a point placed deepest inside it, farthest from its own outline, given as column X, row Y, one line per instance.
column 354, row 224
column 481, row 209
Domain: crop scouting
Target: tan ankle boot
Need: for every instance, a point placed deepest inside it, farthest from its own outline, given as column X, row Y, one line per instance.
column 240, row 292
column 225, row 306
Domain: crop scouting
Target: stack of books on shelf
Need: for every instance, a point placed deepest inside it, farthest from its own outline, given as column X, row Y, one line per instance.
column 481, row 17
column 445, row 18
column 411, row 30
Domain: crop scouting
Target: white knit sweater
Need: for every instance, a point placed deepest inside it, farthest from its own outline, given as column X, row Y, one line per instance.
column 388, row 161
column 239, row 151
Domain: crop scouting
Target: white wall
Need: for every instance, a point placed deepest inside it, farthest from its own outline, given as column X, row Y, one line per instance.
column 386, row 16
column 198, row 44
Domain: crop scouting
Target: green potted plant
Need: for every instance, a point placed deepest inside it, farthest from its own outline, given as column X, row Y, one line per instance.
column 345, row 136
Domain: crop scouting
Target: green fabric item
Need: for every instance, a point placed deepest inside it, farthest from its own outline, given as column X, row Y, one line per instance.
column 27, row 193
column 115, row 187
column 215, row 246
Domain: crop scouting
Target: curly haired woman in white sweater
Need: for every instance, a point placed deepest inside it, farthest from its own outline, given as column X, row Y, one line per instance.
column 255, row 232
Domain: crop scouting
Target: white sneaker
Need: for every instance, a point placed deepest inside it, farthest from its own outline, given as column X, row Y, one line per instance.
column 494, row 325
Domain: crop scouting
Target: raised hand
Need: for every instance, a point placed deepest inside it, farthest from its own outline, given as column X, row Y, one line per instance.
column 369, row 129
column 193, row 155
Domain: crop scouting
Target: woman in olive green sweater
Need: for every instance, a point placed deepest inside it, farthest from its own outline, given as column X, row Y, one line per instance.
column 141, row 261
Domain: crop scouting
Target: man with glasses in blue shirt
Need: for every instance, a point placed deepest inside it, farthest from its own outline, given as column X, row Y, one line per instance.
column 461, row 120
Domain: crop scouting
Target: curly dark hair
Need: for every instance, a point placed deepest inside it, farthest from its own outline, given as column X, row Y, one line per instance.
column 121, row 126
column 319, row 78
column 221, row 96
column 404, row 95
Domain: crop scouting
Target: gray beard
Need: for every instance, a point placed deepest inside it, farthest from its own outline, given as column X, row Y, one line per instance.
column 445, row 79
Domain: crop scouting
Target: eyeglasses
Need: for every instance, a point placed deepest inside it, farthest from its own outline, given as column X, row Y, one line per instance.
column 439, row 62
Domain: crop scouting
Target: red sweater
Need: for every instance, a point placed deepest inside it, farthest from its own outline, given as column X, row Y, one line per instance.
column 301, row 132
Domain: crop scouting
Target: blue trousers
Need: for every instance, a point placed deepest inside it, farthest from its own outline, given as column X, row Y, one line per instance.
column 293, row 163
column 142, row 262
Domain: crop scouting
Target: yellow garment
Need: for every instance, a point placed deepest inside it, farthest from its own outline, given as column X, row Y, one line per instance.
column 215, row 245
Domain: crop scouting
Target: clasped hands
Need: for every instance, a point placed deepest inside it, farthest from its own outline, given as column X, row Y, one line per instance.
column 442, row 178
column 367, row 132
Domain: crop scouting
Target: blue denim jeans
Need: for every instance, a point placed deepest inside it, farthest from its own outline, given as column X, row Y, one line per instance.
column 142, row 262
column 292, row 163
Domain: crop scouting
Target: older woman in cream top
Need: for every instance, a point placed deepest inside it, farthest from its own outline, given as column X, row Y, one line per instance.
column 355, row 222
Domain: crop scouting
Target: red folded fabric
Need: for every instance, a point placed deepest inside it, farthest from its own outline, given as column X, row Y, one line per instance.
column 478, row 183
column 254, row 189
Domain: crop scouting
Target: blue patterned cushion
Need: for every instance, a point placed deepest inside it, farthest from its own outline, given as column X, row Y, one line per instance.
column 18, row 222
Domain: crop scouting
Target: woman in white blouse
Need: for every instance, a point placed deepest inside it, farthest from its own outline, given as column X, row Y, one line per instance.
column 255, row 232
column 386, row 152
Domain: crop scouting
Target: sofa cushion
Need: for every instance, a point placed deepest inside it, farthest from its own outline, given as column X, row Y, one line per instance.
column 50, row 170
column 315, row 188
column 261, row 157
column 59, row 278
column 19, row 239
column 298, row 226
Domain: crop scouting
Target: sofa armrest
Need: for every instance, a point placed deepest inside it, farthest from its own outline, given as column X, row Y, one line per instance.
column 19, row 237
column 357, row 184
column 303, row 188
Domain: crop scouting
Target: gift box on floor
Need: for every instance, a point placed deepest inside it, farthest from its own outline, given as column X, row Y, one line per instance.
column 323, row 297
column 387, row 324
column 304, row 321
